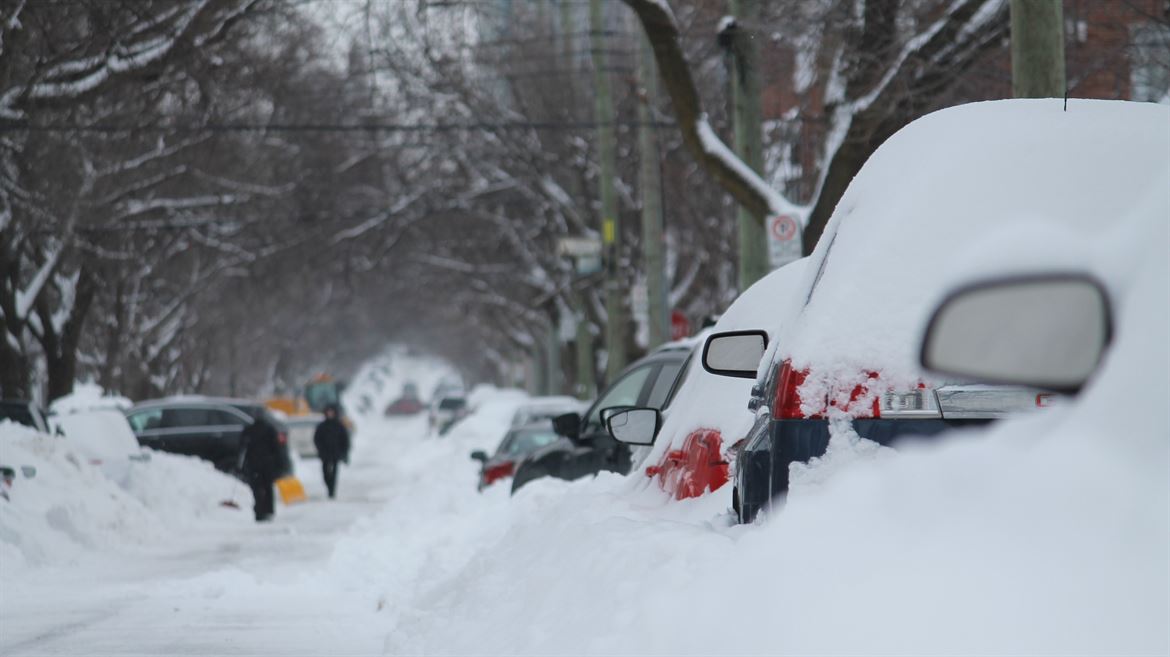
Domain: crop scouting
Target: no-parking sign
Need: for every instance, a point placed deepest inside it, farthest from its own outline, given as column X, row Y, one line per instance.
column 784, row 243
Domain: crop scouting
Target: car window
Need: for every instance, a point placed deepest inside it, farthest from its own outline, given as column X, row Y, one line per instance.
column 452, row 404
column 663, row 383
column 624, row 392
column 146, row 420
column 219, row 418
column 186, row 417
column 681, row 379
column 527, row 440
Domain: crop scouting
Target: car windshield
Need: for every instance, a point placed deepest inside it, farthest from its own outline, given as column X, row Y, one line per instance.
column 452, row 404
column 18, row 413
column 523, row 441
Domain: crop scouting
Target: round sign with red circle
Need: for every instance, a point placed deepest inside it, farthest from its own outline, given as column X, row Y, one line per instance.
column 783, row 227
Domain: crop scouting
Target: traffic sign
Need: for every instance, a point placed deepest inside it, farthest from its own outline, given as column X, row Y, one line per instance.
column 784, row 240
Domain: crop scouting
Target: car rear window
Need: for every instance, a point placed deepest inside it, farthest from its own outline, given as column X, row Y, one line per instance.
column 450, row 404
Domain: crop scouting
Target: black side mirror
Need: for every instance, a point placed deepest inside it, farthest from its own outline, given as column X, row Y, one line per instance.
column 479, row 455
column 635, row 426
column 735, row 353
column 568, row 425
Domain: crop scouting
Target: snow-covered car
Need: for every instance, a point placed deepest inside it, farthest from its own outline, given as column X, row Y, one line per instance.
column 848, row 360
column 585, row 447
column 104, row 437
column 706, row 421
column 540, row 409
column 446, row 411
column 519, row 442
column 207, row 427
column 25, row 412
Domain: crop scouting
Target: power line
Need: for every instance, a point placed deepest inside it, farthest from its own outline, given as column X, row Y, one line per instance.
column 501, row 126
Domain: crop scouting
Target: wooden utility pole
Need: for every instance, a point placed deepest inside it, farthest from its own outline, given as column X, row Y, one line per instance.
column 1037, row 49
column 554, row 379
column 745, row 91
column 615, row 334
column 657, row 292
column 585, row 380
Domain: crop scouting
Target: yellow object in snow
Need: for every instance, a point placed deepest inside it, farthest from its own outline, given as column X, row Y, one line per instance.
column 290, row 489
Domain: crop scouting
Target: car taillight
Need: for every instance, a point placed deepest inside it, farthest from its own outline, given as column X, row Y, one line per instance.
column 282, row 437
column 498, row 471
column 1045, row 399
column 786, row 406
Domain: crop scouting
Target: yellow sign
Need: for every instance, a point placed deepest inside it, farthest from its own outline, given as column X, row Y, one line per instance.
column 609, row 232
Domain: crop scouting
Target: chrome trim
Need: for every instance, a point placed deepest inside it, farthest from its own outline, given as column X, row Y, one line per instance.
column 974, row 402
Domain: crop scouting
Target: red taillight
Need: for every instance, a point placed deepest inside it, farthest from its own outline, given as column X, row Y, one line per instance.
column 786, row 406
column 498, row 471
column 282, row 437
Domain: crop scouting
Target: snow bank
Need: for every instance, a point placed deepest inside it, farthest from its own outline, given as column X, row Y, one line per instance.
column 71, row 509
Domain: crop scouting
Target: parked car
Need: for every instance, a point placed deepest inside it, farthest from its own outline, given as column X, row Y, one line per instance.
column 541, row 409
column 207, row 427
column 950, row 179
column 705, row 424
column 585, row 447
column 407, row 403
column 516, row 444
column 104, row 437
column 446, row 411
column 21, row 411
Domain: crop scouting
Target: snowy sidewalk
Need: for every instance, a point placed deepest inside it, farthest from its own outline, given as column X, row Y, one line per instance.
column 233, row 588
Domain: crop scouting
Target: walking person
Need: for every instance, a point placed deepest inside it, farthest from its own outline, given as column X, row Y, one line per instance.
column 262, row 458
column 332, row 441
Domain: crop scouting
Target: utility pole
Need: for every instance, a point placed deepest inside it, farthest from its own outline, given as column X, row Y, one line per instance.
column 1037, row 49
column 658, row 311
column 615, row 334
column 744, row 51
column 552, row 360
column 585, row 381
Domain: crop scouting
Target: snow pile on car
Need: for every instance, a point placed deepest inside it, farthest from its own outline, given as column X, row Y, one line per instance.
column 944, row 182
column 71, row 507
column 88, row 396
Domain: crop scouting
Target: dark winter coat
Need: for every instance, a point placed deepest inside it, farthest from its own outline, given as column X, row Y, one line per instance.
column 262, row 451
column 332, row 440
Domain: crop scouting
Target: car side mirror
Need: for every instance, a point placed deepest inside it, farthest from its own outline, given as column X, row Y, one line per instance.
column 29, row 471
column 479, row 455
column 1046, row 331
column 568, row 425
column 735, row 353
column 635, row 426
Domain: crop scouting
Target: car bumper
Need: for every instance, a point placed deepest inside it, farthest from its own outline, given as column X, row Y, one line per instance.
column 762, row 473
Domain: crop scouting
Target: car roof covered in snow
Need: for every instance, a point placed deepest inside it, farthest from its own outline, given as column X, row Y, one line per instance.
column 947, row 182
column 195, row 399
